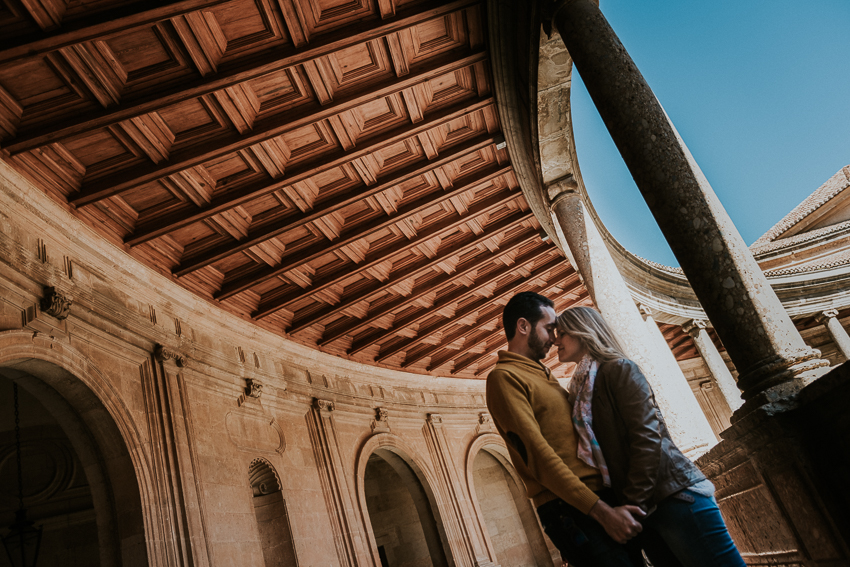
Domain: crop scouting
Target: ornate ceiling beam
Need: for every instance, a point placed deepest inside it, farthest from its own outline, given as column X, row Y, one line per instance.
column 274, row 60
column 310, row 253
column 494, row 313
column 207, row 257
column 469, row 309
column 275, row 126
column 403, row 301
column 99, row 25
column 186, row 216
column 411, row 271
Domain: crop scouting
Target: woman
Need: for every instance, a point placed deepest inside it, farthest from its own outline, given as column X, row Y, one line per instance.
column 622, row 433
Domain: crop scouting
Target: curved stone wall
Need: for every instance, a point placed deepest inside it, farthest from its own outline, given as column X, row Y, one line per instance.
column 197, row 395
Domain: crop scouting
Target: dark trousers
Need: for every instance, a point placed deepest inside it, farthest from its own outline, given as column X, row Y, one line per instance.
column 581, row 540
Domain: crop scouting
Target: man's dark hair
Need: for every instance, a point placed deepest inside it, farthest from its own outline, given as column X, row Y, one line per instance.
column 526, row 305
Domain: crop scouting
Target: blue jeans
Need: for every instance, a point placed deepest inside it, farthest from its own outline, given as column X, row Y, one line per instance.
column 581, row 540
column 690, row 534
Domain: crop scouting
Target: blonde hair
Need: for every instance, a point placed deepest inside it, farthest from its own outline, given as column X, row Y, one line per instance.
column 588, row 327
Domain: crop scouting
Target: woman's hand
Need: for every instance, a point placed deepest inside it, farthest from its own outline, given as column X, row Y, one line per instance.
column 620, row 523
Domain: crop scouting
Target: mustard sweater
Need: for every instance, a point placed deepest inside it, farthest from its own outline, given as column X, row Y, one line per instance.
column 532, row 413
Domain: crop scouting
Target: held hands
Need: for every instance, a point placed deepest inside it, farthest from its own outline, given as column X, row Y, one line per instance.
column 620, row 522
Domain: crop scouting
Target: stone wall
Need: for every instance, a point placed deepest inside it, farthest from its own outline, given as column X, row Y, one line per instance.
column 169, row 401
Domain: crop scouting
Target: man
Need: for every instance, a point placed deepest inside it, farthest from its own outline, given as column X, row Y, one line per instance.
column 532, row 412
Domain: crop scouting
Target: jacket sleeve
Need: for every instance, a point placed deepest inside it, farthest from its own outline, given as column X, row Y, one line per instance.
column 507, row 400
column 635, row 403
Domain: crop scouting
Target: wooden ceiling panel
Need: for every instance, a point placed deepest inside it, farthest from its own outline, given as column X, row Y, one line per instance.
column 322, row 16
column 245, row 24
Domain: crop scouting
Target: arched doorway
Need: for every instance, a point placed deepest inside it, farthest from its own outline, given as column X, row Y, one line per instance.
column 401, row 513
column 514, row 532
column 80, row 478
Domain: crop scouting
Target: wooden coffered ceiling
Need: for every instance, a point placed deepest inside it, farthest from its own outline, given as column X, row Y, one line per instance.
column 330, row 169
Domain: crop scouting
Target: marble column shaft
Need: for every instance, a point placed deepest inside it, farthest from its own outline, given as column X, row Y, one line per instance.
column 687, row 423
column 758, row 334
column 715, row 363
column 839, row 334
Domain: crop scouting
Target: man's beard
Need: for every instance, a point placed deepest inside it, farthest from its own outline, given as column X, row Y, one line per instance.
column 537, row 347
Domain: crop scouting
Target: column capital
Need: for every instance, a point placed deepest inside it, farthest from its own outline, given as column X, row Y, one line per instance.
column 644, row 310
column 560, row 188
column 694, row 326
column 826, row 315
column 323, row 405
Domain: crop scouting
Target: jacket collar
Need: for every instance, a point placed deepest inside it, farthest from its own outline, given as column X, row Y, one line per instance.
column 509, row 358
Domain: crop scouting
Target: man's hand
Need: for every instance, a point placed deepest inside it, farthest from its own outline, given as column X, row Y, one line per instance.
column 619, row 522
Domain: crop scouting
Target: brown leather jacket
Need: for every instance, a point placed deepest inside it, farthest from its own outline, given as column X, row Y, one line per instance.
column 644, row 463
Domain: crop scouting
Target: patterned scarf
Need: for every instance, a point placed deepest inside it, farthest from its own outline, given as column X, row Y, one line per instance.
column 581, row 390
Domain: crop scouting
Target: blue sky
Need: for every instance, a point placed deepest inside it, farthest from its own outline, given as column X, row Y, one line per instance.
column 759, row 91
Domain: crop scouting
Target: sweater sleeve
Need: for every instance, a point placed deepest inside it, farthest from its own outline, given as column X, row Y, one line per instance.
column 507, row 400
column 636, row 406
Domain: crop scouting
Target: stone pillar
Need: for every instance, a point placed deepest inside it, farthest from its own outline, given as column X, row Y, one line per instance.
column 687, row 423
column 346, row 536
column 842, row 340
column 716, row 365
column 467, row 548
column 757, row 332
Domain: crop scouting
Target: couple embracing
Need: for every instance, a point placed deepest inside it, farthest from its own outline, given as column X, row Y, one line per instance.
column 608, row 482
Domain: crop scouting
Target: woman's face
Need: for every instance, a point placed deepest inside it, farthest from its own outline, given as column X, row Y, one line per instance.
column 569, row 349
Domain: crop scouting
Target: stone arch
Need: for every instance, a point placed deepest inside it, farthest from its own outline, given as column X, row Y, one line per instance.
column 495, row 447
column 273, row 526
column 101, row 431
column 393, row 449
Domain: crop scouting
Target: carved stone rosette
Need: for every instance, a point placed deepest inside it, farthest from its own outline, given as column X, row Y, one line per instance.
column 163, row 353
column 55, row 303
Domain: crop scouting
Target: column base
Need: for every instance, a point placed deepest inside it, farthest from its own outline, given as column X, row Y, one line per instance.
column 780, row 473
column 785, row 375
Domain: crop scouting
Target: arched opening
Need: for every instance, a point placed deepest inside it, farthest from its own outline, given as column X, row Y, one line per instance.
column 80, row 481
column 403, row 522
column 57, row 496
column 510, row 519
column 272, row 517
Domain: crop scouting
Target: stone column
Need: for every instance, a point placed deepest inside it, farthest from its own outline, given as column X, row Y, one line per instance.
column 589, row 254
column 842, row 340
column 716, row 365
column 757, row 332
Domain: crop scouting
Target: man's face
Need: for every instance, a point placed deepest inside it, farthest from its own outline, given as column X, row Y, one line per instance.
column 542, row 335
